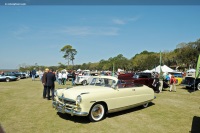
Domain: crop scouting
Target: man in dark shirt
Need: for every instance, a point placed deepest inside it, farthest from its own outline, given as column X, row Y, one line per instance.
column 44, row 82
column 50, row 79
column 33, row 74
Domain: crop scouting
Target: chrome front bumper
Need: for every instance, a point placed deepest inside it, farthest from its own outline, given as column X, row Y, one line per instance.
column 61, row 108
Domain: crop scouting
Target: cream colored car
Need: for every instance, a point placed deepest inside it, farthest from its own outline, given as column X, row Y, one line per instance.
column 104, row 94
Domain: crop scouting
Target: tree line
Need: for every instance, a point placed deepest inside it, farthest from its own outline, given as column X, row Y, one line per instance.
column 184, row 57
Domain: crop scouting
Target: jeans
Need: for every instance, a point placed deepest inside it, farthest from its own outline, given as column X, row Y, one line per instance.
column 59, row 81
column 33, row 77
column 73, row 80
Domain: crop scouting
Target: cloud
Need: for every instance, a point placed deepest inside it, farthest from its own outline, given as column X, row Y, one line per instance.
column 21, row 32
column 87, row 30
column 133, row 19
column 125, row 20
column 119, row 21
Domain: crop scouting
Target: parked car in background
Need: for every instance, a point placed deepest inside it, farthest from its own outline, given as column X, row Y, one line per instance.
column 36, row 75
column 192, row 79
column 104, row 94
column 19, row 75
column 8, row 78
column 125, row 76
column 84, row 78
column 178, row 76
column 26, row 74
column 190, row 82
column 139, row 77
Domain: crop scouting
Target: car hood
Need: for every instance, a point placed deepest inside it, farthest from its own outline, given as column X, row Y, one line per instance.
column 73, row 92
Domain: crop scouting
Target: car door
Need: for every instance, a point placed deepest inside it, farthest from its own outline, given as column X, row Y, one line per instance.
column 123, row 97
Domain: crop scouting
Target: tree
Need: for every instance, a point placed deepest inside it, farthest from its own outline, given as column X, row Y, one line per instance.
column 73, row 52
column 66, row 50
column 69, row 53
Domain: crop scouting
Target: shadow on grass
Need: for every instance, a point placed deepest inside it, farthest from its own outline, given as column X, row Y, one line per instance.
column 128, row 111
column 165, row 89
column 195, row 125
column 190, row 90
column 85, row 119
column 76, row 119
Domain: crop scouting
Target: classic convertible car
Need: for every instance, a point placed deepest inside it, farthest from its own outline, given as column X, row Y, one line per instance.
column 104, row 94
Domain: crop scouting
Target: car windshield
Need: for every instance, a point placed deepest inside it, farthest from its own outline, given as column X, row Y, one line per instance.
column 106, row 82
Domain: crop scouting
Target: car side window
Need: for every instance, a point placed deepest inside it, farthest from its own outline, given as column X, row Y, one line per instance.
column 144, row 76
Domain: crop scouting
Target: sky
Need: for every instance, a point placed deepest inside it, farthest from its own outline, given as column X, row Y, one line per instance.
column 32, row 35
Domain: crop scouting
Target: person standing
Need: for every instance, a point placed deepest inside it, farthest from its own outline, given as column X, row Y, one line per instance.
column 33, row 74
column 161, row 78
column 73, row 77
column 50, row 83
column 40, row 74
column 155, row 84
column 59, row 78
column 167, row 78
column 64, row 78
column 172, row 83
column 44, row 82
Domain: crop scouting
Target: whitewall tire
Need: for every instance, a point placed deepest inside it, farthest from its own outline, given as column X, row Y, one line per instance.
column 198, row 86
column 97, row 112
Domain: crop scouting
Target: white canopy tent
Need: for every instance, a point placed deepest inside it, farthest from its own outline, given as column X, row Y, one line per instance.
column 147, row 71
column 164, row 68
column 79, row 70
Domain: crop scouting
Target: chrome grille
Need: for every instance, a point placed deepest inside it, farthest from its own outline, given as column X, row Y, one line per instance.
column 67, row 101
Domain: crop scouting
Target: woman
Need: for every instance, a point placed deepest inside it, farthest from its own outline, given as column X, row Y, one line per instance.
column 172, row 83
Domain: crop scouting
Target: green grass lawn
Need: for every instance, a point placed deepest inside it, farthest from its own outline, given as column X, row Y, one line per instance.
column 23, row 110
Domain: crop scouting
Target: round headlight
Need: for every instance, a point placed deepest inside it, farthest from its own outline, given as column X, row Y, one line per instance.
column 78, row 99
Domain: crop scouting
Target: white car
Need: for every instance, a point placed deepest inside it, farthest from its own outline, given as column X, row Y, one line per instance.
column 104, row 94
column 83, row 79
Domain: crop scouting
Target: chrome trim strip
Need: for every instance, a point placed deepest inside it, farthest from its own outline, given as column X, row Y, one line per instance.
column 127, row 107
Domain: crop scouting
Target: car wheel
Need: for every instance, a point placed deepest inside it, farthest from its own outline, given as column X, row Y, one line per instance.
column 145, row 105
column 198, row 86
column 84, row 82
column 7, row 80
column 97, row 112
